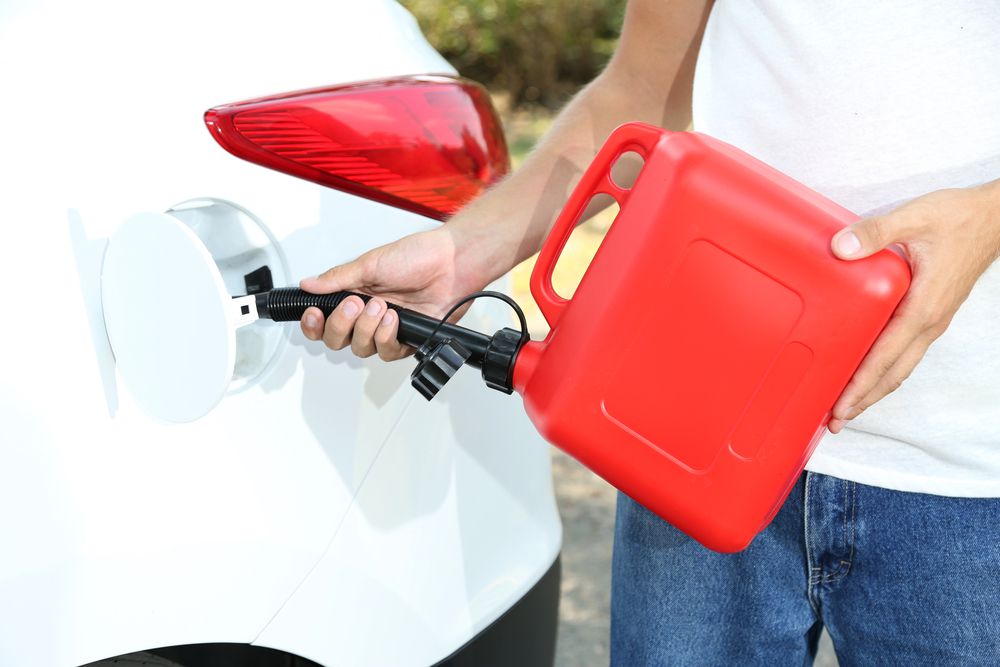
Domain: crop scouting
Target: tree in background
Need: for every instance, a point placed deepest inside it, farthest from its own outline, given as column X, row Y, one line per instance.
column 537, row 51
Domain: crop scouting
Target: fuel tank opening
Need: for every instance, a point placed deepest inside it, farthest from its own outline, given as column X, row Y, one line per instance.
column 166, row 286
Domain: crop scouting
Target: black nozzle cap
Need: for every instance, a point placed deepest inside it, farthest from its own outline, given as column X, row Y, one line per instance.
column 436, row 366
column 259, row 281
column 498, row 362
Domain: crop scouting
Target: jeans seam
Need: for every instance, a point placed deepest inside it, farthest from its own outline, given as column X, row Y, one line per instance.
column 850, row 512
column 846, row 513
column 812, row 578
column 854, row 514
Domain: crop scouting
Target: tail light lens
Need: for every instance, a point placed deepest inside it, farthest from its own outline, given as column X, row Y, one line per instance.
column 426, row 144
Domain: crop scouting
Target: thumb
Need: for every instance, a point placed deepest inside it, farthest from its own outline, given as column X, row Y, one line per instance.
column 867, row 236
column 344, row 277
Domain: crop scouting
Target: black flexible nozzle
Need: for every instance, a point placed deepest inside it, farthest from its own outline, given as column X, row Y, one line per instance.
column 495, row 354
column 288, row 304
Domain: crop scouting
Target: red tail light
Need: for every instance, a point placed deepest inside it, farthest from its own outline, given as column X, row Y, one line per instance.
column 426, row 144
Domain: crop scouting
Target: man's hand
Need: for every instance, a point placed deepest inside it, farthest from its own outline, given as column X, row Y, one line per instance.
column 423, row 271
column 950, row 237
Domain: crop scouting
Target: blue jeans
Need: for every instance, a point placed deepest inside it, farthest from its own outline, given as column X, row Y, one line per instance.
column 896, row 578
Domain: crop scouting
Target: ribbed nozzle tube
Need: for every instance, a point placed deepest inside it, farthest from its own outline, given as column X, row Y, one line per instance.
column 288, row 304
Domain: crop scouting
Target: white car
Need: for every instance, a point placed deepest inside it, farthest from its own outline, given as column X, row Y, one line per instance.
column 322, row 510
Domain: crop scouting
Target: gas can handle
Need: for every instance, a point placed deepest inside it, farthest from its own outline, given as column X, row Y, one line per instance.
column 638, row 137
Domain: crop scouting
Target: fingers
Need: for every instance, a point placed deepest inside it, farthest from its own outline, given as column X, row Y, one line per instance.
column 889, row 382
column 868, row 236
column 894, row 377
column 363, row 339
column 390, row 349
column 375, row 333
column 892, row 358
column 312, row 323
column 345, row 276
column 340, row 323
column 897, row 336
column 835, row 425
column 368, row 329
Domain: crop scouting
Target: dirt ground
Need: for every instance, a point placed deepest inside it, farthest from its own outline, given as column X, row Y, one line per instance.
column 587, row 506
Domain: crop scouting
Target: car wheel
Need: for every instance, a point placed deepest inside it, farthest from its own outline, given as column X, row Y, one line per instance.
column 141, row 659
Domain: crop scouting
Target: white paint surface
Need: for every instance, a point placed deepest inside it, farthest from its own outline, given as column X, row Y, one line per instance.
column 168, row 316
column 120, row 532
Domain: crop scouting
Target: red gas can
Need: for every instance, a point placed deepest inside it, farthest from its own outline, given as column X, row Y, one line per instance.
column 697, row 363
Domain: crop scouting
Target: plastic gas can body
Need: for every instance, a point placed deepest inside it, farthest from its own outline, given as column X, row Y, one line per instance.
column 697, row 363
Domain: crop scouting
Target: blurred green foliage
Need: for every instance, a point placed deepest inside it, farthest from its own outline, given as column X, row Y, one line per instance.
column 537, row 51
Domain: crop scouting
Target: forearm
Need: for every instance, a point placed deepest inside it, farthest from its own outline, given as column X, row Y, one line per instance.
column 508, row 223
column 991, row 197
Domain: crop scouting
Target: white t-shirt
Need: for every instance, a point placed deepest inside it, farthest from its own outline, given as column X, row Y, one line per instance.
column 873, row 103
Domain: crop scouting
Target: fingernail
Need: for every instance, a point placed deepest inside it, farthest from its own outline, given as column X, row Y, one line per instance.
column 312, row 322
column 373, row 307
column 351, row 308
column 388, row 319
column 848, row 244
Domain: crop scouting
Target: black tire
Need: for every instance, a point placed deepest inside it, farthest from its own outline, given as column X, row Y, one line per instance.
column 141, row 659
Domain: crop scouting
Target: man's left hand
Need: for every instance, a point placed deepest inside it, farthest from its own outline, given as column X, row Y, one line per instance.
column 949, row 237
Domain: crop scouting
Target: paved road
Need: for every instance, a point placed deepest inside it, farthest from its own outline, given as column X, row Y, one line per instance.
column 587, row 505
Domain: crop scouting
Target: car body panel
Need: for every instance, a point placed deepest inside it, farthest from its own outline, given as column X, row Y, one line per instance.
column 121, row 533
column 441, row 498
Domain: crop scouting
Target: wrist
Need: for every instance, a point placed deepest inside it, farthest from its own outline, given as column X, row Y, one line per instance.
column 992, row 193
column 486, row 245
column 472, row 255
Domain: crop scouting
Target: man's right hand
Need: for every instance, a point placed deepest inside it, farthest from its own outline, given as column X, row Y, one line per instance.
column 424, row 272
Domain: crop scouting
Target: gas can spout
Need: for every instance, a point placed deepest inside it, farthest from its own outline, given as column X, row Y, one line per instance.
column 525, row 364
